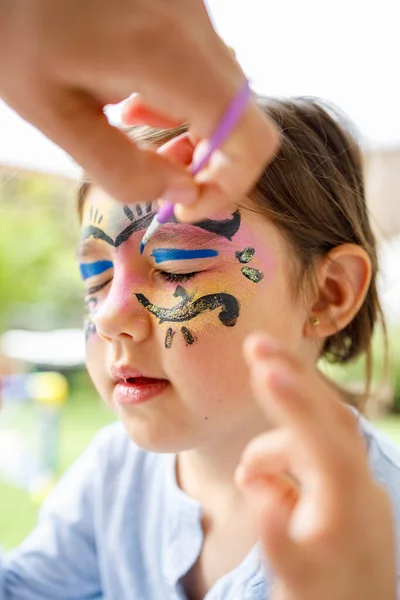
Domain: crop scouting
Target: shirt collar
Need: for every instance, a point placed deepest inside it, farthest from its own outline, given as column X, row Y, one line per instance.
column 183, row 534
column 183, row 537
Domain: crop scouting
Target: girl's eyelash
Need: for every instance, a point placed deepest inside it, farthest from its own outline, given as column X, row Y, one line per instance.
column 97, row 288
column 176, row 277
column 170, row 277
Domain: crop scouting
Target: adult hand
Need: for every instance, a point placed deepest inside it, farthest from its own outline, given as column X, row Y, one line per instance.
column 330, row 535
column 62, row 62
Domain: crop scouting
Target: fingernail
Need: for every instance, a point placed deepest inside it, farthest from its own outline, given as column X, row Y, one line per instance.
column 186, row 195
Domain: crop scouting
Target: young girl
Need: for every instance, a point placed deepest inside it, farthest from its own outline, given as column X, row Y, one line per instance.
column 227, row 480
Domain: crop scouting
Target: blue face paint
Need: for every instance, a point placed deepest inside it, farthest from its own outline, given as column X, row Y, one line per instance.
column 164, row 254
column 95, row 268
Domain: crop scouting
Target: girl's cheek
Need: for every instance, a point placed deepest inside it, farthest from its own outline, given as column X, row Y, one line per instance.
column 184, row 312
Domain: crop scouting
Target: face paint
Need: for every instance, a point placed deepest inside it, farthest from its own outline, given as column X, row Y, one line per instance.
column 169, row 336
column 226, row 228
column 118, row 233
column 253, row 274
column 115, row 224
column 245, row 255
column 95, row 217
column 94, row 268
column 187, row 336
column 164, row 254
column 119, row 224
column 188, row 309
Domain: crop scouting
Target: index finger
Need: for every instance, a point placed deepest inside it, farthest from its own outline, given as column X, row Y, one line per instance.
column 235, row 167
column 232, row 169
column 76, row 122
column 298, row 397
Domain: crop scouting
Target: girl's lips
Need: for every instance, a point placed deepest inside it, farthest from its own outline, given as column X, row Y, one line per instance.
column 137, row 390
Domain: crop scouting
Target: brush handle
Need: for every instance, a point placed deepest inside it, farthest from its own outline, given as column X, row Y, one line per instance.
column 165, row 212
column 224, row 128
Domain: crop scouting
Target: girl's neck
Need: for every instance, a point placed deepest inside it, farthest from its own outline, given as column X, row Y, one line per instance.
column 206, row 473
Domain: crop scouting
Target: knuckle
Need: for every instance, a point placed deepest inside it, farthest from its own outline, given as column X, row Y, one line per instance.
column 346, row 469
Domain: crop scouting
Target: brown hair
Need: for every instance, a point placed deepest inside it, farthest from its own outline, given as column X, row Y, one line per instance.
column 314, row 192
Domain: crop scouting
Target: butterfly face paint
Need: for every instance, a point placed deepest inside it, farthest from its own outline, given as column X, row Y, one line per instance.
column 110, row 225
column 116, row 226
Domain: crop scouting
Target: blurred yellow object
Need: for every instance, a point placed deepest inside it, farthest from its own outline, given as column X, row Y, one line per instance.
column 48, row 388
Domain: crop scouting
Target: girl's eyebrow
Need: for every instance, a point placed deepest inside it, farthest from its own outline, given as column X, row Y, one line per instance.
column 95, row 268
column 164, row 254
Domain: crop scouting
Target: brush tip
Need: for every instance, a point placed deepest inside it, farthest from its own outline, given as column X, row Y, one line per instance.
column 142, row 245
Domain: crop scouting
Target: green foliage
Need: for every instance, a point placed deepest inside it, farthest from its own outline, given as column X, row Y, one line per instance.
column 18, row 515
column 39, row 280
column 385, row 366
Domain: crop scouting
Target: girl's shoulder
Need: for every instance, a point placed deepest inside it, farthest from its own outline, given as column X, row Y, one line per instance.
column 384, row 459
column 110, row 472
column 383, row 452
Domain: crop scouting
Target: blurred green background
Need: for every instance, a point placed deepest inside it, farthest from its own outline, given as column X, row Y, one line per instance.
column 40, row 289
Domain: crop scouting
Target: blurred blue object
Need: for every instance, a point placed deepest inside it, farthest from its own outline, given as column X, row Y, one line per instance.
column 18, row 465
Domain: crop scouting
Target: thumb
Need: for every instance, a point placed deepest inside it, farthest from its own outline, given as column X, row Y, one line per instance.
column 275, row 518
column 77, row 122
column 275, row 498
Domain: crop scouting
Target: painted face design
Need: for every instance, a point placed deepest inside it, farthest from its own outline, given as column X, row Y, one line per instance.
column 163, row 254
column 188, row 309
column 137, row 218
column 245, row 256
column 116, row 225
column 115, row 231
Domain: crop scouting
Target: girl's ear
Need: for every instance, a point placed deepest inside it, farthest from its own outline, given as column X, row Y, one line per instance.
column 343, row 277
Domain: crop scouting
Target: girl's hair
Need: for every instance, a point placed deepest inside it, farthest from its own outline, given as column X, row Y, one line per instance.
column 314, row 193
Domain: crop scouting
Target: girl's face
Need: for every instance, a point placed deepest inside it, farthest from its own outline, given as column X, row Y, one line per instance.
column 165, row 329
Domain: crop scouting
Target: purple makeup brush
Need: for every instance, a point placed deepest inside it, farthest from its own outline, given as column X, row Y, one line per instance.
column 224, row 128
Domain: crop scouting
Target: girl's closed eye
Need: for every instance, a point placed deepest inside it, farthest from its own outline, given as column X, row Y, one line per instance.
column 175, row 255
column 177, row 277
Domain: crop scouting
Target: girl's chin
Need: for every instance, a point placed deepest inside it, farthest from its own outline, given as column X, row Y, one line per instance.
column 153, row 438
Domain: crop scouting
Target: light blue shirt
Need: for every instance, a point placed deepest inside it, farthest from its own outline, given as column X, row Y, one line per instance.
column 118, row 527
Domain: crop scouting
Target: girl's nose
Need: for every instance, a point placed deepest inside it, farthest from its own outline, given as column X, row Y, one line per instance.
column 120, row 316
